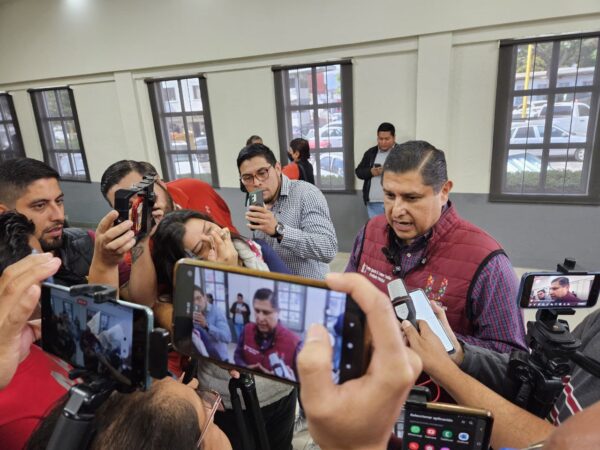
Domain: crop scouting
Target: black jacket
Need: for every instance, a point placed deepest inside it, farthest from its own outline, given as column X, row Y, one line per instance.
column 363, row 171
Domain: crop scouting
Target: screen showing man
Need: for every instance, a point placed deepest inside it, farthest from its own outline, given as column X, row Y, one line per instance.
column 269, row 318
column 553, row 291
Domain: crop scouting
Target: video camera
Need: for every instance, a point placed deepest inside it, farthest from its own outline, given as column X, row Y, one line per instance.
column 138, row 209
column 112, row 345
column 538, row 374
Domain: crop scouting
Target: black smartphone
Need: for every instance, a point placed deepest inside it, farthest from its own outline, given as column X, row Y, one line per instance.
column 555, row 290
column 441, row 426
column 110, row 339
column 255, row 198
column 257, row 321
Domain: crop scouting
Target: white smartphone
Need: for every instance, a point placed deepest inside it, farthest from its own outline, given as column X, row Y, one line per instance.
column 425, row 312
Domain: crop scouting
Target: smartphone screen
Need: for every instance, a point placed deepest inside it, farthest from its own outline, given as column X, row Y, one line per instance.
column 257, row 320
column 557, row 290
column 108, row 339
column 424, row 312
column 437, row 426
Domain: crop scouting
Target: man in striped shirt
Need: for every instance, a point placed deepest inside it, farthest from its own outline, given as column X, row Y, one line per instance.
column 295, row 217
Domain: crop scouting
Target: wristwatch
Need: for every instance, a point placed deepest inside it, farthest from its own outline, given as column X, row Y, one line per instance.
column 278, row 231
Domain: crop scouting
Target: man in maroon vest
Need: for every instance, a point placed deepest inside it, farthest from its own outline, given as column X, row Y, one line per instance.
column 267, row 345
column 422, row 239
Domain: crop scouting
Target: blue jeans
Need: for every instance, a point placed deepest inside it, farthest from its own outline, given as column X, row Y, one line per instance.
column 374, row 209
column 239, row 329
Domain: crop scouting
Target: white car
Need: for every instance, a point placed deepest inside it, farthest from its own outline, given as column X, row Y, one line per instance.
column 329, row 137
column 533, row 133
column 573, row 116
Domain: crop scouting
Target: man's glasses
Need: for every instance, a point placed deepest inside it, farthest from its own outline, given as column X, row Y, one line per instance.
column 260, row 175
column 211, row 401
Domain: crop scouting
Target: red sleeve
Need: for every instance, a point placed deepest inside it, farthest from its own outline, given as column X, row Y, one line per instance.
column 291, row 171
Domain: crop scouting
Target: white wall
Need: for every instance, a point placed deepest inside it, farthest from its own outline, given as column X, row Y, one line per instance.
column 429, row 67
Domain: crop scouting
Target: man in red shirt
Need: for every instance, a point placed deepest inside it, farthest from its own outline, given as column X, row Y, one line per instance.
column 139, row 284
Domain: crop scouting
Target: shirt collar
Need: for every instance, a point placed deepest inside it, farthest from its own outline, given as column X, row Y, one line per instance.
column 284, row 190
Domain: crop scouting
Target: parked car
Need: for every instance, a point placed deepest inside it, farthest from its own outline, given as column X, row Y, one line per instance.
column 533, row 133
column 573, row 116
column 532, row 110
column 329, row 136
column 332, row 165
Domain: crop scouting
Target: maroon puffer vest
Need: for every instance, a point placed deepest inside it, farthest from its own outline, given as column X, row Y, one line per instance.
column 284, row 344
column 456, row 251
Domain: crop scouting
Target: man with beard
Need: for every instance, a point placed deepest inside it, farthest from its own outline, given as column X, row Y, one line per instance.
column 136, row 280
column 31, row 188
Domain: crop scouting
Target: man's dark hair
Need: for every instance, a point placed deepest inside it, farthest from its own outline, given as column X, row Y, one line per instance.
column 199, row 289
column 15, row 232
column 562, row 281
column 267, row 294
column 253, row 139
column 253, row 150
column 301, row 145
column 239, row 294
column 387, row 127
column 422, row 157
column 119, row 170
column 123, row 421
column 16, row 174
column 541, row 290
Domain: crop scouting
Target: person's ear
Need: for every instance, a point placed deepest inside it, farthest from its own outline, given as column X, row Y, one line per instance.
column 4, row 208
column 445, row 191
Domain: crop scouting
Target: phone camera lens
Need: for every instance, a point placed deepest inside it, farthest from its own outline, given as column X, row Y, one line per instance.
column 350, row 345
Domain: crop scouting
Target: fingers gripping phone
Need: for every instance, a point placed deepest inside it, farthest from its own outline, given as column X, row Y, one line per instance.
column 257, row 321
column 110, row 339
column 444, row 426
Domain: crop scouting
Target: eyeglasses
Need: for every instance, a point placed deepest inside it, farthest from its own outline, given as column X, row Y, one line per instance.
column 260, row 175
column 211, row 401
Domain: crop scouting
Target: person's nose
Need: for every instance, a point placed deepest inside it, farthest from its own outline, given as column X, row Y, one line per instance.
column 399, row 208
column 56, row 212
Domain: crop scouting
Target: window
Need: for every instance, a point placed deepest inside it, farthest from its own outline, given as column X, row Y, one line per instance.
column 291, row 304
column 214, row 283
column 315, row 103
column 59, row 131
column 183, row 128
column 547, row 84
column 11, row 144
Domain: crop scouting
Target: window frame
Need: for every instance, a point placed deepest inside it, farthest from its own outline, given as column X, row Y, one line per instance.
column 158, row 120
column 11, row 152
column 346, row 105
column 43, row 126
column 503, row 120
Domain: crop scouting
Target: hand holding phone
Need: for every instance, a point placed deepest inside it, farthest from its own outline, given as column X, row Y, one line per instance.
column 425, row 312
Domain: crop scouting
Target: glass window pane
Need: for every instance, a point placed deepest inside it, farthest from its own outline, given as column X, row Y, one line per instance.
column 65, row 102
column 196, row 132
column 4, row 109
column 587, row 61
column 50, row 103
column 4, row 139
column 73, row 139
column 191, row 94
column 182, row 166
column 332, row 170
column 77, row 162
column 562, row 175
column 305, row 86
column 333, row 84
column 63, row 164
column 169, row 93
column 176, row 134
column 57, row 135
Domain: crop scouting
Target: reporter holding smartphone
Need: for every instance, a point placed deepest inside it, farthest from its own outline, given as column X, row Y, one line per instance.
column 478, row 377
column 370, row 168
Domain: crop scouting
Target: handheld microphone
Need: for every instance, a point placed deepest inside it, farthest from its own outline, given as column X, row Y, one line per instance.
column 401, row 301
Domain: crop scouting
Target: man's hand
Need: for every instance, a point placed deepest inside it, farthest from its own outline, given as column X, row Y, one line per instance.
column 376, row 171
column 259, row 366
column 200, row 319
column 439, row 312
column 19, row 295
column 112, row 242
column 342, row 416
column 428, row 346
column 260, row 218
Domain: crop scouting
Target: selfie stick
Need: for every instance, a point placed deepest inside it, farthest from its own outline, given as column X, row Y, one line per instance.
column 247, row 385
column 539, row 373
